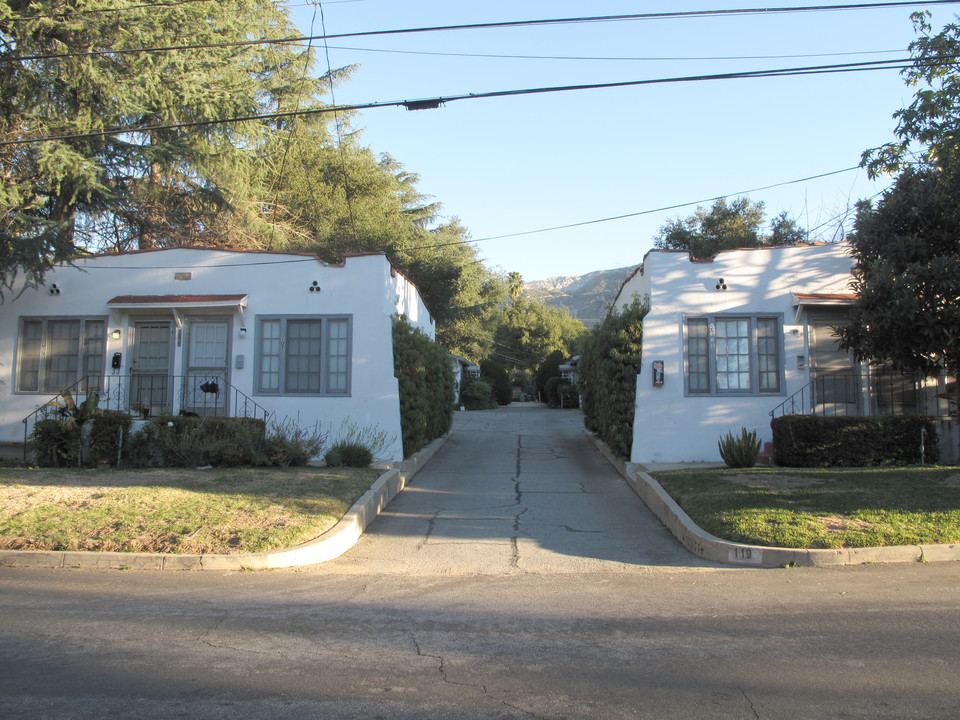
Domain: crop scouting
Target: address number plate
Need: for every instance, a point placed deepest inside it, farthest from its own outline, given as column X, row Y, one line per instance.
column 752, row 556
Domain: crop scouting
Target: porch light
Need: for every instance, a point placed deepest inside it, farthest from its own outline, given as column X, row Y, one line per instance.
column 115, row 334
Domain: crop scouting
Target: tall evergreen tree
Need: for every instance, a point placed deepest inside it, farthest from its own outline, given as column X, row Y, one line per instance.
column 74, row 71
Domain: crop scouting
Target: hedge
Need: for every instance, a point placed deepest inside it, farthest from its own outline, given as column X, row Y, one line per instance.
column 425, row 377
column 610, row 360
column 812, row 441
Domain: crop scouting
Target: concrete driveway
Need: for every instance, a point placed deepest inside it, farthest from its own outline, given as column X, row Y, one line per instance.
column 519, row 489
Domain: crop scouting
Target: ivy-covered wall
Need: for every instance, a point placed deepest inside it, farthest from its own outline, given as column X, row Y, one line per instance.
column 610, row 360
column 425, row 376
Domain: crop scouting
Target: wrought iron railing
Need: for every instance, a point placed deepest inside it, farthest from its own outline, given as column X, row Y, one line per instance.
column 833, row 394
column 151, row 395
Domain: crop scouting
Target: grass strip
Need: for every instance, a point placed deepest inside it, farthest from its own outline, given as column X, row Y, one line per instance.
column 220, row 510
column 821, row 508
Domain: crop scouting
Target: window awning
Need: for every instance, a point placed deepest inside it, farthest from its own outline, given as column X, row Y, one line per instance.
column 176, row 302
column 802, row 301
column 824, row 299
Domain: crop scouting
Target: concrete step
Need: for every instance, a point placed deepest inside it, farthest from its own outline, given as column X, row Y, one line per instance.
column 765, row 458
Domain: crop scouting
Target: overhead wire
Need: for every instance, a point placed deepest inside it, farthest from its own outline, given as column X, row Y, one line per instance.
column 433, row 103
column 640, row 213
column 494, row 25
column 338, row 125
column 610, row 58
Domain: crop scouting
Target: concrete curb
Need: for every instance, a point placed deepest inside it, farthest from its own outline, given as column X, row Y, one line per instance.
column 333, row 543
column 713, row 548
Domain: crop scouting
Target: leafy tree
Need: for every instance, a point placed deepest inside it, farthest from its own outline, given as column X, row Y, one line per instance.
column 928, row 130
column 71, row 72
column 907, row 275
column 785, row 231
column 907, row 248
column 529, row 330
column 726, row 227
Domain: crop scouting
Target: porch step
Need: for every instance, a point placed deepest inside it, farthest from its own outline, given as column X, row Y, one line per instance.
column 765, row 458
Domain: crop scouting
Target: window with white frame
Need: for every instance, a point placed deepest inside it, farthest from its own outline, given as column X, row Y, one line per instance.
column 303, row 355
column 53, row 354
column 733, row 354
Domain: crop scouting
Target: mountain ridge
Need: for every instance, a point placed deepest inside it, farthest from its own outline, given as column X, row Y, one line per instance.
column 585, row 297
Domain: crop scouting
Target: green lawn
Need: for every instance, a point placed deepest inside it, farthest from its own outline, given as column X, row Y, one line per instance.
column 822, row 508
column 221, row 510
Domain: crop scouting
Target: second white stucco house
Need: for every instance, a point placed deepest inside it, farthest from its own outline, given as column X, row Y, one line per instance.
column 285, row 337
column 744, row 336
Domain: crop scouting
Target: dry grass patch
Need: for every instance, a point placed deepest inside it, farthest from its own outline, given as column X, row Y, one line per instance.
column 774, row 483
column 220, row 511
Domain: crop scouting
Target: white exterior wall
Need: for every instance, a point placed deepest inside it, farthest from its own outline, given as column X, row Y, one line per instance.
column 674, row 426
column 275, row 284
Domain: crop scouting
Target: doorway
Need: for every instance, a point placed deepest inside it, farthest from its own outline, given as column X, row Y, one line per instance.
column 150, row 388
column 207, row 372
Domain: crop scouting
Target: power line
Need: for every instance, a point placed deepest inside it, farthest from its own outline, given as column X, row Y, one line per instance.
column 496, row 25
column 433, row 103
column 609, row 58
column 646, row 212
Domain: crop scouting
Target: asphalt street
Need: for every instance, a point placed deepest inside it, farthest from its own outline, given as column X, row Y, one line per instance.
column 516, row 577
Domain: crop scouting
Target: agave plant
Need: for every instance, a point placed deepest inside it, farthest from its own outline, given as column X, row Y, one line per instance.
column 740, row 452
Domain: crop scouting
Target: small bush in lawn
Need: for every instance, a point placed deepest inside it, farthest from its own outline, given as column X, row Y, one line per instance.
column 349, row 454
column 54, row 443
column 740, row 452
column 289, row 445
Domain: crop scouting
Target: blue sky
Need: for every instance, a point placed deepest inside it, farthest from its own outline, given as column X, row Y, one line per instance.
column 518, row 164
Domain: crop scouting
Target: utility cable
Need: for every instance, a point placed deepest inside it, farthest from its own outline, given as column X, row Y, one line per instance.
column 433, row 103
column 338, row 125
column 609, row 58
column 497, row 25
column 646, row 212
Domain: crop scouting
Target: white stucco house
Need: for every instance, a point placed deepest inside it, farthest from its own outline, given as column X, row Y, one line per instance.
column 730, row 342
column 281, row 336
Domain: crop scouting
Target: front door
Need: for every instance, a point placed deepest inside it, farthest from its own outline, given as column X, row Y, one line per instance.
column 150, row 390
column 835, row 376
column 205, row 388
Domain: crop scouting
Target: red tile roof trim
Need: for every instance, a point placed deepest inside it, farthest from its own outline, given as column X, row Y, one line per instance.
column 174, row 299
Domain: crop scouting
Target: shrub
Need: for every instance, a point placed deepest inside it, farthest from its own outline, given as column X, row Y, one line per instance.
column 569, row 395
column 561, row 393
column 610, row 359
column 349, row 454
column 373, row 439
column 425, row 381
column 499, row 379
column 191, row 442
column 55, row 443
column 289, row 445
column 811, row 441
column 109, row 433
column 549, row 368
column 740, row 452
column 477, row 394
